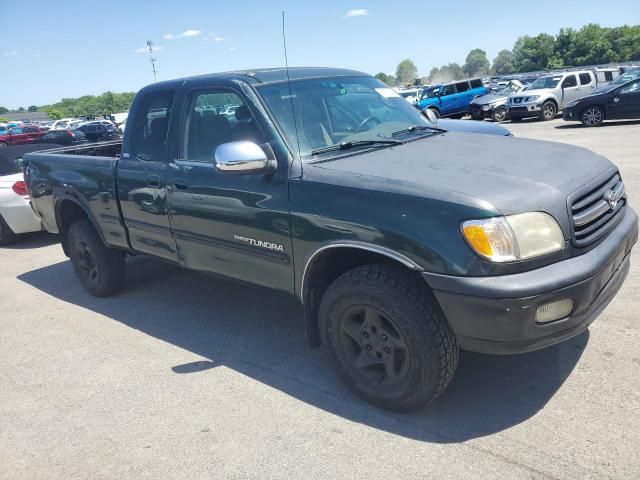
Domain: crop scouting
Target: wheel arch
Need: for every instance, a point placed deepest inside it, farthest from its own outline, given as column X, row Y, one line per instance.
column 598, row 105
column 327, row 263
column 69, row 210
column 554, row 101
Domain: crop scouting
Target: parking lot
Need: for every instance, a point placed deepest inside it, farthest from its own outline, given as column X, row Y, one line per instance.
column 185, row 375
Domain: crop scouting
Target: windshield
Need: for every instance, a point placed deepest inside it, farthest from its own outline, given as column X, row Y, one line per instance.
column 627, row 77
column 510, row 89
column 545, row 82
column 332, row 111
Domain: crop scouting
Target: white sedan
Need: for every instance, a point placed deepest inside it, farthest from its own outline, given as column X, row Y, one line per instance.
column 16, row 215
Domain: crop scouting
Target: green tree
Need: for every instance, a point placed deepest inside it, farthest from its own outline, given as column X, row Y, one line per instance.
column 4, row 110
column 591, row 46
column 21, row 109
column 533, row 53
column 476, row 63
column 504, row 63
column 33, row 108
column 406, row 72
column 388, row 79
column 53, row 113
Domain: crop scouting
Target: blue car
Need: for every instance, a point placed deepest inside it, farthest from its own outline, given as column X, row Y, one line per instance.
column 452, row 99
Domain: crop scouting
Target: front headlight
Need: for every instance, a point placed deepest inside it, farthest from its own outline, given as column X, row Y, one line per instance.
column 533, row 98
column 486, row 107
column 515, row 237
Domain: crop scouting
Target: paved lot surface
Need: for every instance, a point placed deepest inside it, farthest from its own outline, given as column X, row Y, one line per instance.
column 186, row 376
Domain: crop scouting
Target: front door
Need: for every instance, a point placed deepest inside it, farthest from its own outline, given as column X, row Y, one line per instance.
column 627, row 101
column 141, row 177
column 234, row 225
column 570, row 89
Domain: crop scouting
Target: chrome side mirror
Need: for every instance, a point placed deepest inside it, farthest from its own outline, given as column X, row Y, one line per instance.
column 242, row 158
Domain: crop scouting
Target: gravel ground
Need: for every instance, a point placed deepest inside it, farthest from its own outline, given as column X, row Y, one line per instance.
column 187, row 376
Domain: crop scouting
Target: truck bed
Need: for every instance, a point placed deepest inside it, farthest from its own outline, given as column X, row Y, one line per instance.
column 84, row 175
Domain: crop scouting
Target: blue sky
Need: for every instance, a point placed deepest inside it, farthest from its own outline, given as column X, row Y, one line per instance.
column 55, row 49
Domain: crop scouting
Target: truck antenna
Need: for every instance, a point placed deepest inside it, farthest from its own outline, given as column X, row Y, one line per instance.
column 286, row 64
column 152, row 60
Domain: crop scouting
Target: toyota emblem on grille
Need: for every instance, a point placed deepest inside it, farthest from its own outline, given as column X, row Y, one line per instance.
column 612, row 198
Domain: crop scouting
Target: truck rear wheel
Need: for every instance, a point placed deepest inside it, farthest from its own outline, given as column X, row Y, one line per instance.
column 7, row 236
column 387, row 338
column 100, row 269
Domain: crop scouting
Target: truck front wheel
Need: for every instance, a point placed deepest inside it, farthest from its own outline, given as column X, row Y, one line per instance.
column 100, row 269
column 387, row 338
column 549, row 111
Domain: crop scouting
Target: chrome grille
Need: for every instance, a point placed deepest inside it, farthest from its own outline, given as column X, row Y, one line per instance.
column 597, row 210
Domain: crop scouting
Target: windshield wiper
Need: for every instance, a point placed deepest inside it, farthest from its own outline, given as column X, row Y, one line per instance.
column 418, row 128
column 355, row 143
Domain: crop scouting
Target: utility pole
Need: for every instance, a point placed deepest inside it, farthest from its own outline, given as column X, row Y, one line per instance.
column 152, row 60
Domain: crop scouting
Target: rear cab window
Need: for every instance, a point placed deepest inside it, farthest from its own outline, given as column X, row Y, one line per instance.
column 151, row 125
column 585, row 78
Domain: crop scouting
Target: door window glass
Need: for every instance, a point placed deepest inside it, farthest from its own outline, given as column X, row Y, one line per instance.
column 215, row 117
column 476, row 83
column 570, row 81
column 462, row 87
column 585, row 78
column 150, row 126
column 632, row 87
column 448, row 90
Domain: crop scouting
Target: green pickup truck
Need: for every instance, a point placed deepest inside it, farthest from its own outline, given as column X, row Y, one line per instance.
column 404, row 241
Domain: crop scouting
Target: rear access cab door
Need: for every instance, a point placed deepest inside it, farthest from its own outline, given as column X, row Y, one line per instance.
column 141, row 174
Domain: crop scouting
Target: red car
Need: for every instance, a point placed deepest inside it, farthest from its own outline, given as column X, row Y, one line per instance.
column 21, row 135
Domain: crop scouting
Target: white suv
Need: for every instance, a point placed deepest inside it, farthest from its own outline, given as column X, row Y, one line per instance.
column 548, row 95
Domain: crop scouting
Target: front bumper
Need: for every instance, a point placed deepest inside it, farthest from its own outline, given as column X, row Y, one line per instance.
column 477, row 112
column 523, row 110
column 569, row 115
column 497, row 314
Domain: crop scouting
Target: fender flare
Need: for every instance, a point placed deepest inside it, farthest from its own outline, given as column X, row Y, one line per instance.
column 57, row 211
column 310, row 317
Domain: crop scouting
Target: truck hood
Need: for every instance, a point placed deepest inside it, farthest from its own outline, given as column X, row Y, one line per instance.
column 489, row 98
column 512, row 175
column 529, row 93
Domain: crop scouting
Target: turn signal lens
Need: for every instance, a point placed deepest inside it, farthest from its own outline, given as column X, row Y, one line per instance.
column 491, row 238
column 478, row 240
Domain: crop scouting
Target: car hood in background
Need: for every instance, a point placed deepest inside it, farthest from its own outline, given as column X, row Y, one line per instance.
column 513, row 174
column 489, row 98
column 472, row 126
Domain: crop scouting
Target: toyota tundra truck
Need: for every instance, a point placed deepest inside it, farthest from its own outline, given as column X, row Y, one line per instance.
column 403, row 241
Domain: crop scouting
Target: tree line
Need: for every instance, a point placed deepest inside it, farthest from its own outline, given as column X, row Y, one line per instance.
column 106, row 103
column 590, row 45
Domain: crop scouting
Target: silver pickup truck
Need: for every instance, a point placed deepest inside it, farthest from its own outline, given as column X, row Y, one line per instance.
column 549, row 94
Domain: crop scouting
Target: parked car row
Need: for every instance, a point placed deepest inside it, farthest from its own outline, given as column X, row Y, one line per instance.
column 578, row 95
column 97, row 131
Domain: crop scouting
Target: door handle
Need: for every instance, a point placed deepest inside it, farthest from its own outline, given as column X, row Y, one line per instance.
column 153, row 181
column 181, row 184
